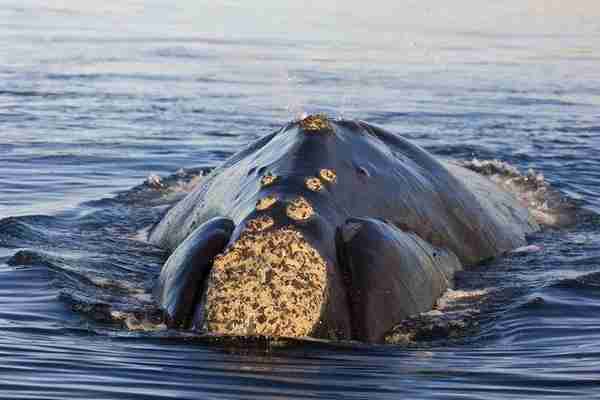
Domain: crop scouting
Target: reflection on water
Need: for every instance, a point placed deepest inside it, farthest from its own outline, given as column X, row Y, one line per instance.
column 96, row 97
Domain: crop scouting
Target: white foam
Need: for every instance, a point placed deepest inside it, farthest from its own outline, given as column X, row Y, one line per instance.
column 546, row 205
column 452, row 296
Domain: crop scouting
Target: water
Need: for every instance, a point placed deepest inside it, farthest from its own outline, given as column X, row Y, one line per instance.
column 96, row 97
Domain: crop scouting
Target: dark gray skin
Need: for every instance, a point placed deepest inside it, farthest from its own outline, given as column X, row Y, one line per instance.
column 393, row 226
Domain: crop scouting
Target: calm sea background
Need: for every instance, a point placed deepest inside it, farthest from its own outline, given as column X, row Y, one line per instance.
column 96, row 96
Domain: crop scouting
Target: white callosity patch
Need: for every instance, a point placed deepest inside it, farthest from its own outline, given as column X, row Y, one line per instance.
column 266, row 202
column 328, row 175
column 314, row 184
column 269, row 283
column 299, row 209
column 268, row 179
column 315, row 123
column 259, row 224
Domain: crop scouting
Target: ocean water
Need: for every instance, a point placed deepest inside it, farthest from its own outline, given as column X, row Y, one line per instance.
column 97, row 96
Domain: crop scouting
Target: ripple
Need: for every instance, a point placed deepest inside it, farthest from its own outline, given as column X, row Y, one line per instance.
column 95, row 99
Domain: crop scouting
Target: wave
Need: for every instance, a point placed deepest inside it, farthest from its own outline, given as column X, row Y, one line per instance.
column 548, row 206
column 18, row 231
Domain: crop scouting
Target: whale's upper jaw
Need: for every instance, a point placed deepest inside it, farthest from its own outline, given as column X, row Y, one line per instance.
column 267, row 283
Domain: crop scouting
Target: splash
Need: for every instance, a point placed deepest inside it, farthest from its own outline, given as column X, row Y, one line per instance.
column 455, row 317
column 547, row 205
column 157, row 190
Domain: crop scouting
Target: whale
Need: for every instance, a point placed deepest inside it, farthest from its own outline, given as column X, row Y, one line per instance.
column 328, row 228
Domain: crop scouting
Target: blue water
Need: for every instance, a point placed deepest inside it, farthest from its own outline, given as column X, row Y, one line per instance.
column 96, row 97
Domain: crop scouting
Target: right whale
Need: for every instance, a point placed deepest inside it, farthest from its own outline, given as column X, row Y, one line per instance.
column 333, row 229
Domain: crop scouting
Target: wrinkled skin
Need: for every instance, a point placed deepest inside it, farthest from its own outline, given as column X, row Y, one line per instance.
column 339, row 225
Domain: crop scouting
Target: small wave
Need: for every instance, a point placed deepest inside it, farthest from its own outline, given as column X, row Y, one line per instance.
column 460, row 151
column 24, row 258
column 20, row 116
column 29, row 93
column 57, row 264
column 142, row 319
column 74, row 159
column 455, row 317
column 181, row 52
column 19, row 231
column 148, row 321
column 585, row 281
column 157, row 190
column 579, row 129
column 390, row 116
column 116, row 77
column 531, row 101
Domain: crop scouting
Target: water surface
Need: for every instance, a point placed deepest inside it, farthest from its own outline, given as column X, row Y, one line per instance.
column 96, row 97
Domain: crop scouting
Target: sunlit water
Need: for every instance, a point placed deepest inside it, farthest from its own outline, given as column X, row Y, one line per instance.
column 94, row 98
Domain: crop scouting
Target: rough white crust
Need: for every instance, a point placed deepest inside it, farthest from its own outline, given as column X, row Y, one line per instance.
column 270, row 283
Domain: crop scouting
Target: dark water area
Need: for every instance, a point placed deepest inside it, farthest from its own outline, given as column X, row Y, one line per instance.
column 96, row 98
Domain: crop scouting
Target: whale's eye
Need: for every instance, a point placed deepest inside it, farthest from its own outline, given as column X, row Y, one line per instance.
column 314, row 184
column 327, row 175
column 299, row 209
column 266, row 202
column 362, row 171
